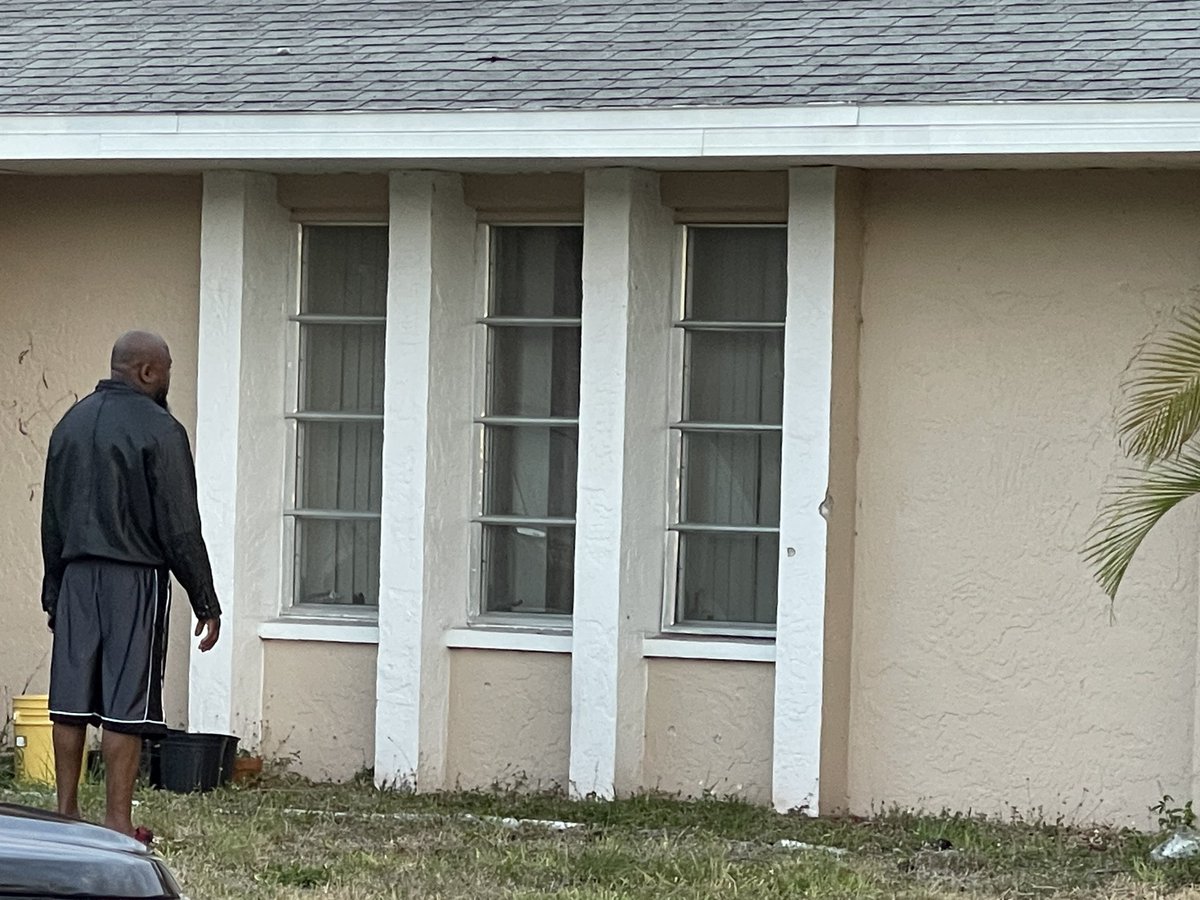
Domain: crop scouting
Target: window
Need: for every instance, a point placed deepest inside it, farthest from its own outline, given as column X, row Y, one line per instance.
column 530, row 420
column 728, row 436
column 338, row 416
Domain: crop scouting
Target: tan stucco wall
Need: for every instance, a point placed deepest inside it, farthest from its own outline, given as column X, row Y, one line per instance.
column 319, row 707
column 708, row 728
column 510, row 720
column 998, row 312
column 81, row 260
column 843, row 467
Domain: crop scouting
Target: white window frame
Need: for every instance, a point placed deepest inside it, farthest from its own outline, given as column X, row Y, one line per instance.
column 289, row 608
column 545, row 623
column 676, row 427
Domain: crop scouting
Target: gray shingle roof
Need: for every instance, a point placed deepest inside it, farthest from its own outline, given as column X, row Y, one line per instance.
column 333, row 55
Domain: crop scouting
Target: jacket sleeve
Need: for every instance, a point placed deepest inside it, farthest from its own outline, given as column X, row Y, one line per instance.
column 52, row 544
column 172, row 477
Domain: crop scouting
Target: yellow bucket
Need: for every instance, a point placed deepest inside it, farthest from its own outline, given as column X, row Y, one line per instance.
column 34, row 735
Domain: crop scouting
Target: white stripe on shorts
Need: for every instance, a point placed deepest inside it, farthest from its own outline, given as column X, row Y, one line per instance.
column 150, row 655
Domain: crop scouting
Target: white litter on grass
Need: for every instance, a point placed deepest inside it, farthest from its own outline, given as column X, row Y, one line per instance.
column 788, row 844
column 1184, row 843
column 503, row 821
column 514, row 823
column 510, row 822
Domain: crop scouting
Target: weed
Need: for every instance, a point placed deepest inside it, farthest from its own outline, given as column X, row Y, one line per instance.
column 296, row 875
column 1172, row 817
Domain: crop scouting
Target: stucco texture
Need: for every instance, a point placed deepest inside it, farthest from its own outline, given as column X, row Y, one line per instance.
column 708, row 728
column 843, row 466
column 319, row 707
column 510, row 720
column 81, row 260
column 999, row 310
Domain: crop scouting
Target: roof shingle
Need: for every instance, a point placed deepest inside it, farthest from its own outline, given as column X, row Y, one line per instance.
column 383, row 55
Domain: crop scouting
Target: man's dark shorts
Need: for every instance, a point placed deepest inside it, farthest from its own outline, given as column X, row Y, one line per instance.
column 110, row 630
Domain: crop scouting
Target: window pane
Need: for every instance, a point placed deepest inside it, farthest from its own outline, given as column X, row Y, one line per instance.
column 342, row 368
column 535, row 372
column 344, row 270
column 531, row 471
column 337, row 561
column 731, row 479
column 537, row 271
column 735, row 376
column 737, row 274
column 728, row 578
column 528, row 569
column 340, row 466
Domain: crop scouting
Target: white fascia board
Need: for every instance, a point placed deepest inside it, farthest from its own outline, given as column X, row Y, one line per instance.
column 406, row 144
column 826, row 131
column 1054, row 112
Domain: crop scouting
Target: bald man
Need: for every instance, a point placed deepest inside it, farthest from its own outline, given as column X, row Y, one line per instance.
column 119, row 516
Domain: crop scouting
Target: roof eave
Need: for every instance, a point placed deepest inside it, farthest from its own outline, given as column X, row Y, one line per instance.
column 856, row 134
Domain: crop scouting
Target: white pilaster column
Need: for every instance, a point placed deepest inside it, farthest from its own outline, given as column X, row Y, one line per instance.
column 628, row 250
column 426, row 461
column 245, row 239
column 808, row 357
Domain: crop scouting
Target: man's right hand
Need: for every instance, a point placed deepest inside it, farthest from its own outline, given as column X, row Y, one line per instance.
column 211, row 629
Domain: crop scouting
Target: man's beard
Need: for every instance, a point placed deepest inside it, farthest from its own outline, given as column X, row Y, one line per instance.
column 161, row 400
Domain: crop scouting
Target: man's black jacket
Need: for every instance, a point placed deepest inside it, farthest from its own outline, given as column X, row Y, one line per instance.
column 120, row 485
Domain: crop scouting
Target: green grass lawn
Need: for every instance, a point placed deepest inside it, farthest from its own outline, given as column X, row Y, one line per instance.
column 288, row 838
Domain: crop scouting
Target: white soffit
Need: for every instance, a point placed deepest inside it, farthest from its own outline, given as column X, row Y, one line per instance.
column 883, row 132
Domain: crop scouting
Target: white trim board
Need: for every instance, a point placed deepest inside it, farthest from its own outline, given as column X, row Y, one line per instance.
column 804, row 480
column 323, row 632
column 245, row 270
column 405, row 441
column 714, row 648
column 218, row 406
column 516, row 639
column 600, row 483
column 816, row 133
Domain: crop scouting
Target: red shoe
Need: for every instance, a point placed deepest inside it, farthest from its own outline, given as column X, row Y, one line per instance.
column 143, row 834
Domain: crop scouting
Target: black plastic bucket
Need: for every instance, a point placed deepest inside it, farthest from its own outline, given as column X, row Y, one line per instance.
column 184, row 762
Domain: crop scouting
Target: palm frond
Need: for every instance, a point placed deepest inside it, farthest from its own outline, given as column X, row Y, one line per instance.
column 1137, row 503
column 1161, row 409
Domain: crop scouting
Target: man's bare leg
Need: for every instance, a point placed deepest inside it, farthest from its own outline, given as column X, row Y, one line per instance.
column 68, row 761
column 122, row 756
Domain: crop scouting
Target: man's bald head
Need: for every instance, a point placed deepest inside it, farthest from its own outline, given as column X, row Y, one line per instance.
column 142, row 360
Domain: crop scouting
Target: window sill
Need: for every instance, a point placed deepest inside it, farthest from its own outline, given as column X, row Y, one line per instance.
column 524, row 640
column 711, row 648
column 321, row 630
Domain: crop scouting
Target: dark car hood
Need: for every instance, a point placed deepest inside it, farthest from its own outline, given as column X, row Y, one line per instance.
column 43, row 854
